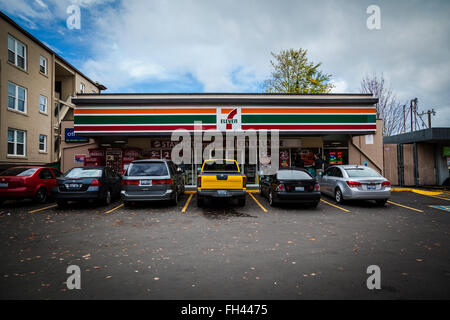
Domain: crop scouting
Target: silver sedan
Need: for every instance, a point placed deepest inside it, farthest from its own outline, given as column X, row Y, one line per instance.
column 354, row 182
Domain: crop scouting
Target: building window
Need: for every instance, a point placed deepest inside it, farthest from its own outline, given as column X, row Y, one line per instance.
column 42, row 143
column 16, row 142
column 17, row 97
column 82, row 87
column 43, row 65
column 43, row 104
column 17, row 52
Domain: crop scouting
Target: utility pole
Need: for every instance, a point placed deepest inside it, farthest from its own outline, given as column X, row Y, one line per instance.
column 415, row 114
column 404, row 119
column 429, row 113
column 411, row 113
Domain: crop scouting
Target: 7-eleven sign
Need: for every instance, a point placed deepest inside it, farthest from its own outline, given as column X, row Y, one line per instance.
column 229, row 118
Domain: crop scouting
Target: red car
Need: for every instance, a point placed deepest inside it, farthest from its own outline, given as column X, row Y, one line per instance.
column 27, row 182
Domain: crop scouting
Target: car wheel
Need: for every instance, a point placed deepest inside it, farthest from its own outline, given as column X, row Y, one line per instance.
column 338, row 196
column 127, row 204
column 314, row 204
column 174, row 201
column 271, row 200
column 381, row 203
column 107, row 200
column 41, row 195
column 61, row 203
column 241, row 202
column 200, row 202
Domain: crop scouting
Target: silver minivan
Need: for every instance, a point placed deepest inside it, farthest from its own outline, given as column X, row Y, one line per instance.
column 354, row 182
column 148, row 180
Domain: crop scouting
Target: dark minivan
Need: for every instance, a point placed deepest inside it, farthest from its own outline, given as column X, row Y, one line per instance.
column 148, row 180
column 290, row 185
column 88, row 183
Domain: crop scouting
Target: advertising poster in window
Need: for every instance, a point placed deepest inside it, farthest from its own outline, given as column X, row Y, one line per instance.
column 79, row 158
column 284, row 158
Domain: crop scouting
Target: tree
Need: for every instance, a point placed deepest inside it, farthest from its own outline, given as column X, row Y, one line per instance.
column 294, row 73
column 388, row 108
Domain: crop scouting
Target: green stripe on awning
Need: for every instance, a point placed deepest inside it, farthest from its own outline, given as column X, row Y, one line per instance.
column 312, row 118
column 144, row 119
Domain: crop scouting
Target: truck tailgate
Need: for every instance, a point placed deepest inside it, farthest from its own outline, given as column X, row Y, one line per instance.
column 222, row 181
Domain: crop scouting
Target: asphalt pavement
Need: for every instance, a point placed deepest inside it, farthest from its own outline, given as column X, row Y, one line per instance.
column 222, row 251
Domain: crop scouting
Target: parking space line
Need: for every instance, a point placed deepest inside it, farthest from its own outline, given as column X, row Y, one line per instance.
column 187, row 203
column 52, row 206
column 257, row 202
column 333, row 205
column 403, row 206
column 113, row 209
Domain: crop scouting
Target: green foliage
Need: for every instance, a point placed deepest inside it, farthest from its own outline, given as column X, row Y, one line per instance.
column 293, row 73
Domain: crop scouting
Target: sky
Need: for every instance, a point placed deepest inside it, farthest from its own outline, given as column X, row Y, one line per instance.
column 224, row 46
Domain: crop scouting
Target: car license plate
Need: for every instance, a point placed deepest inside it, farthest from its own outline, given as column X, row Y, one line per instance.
column 73, row 185
column 3, row 185
column 299, row 188
column 222, row 192
column 371, row 187
column 145, row 182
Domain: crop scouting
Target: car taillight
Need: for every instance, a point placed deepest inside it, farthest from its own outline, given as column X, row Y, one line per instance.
column 317, row 187
column 199, row 182
column 280, row 187
column 162, row 181
column 353, row 184
column 385, row 184
column 130, row 182
column 244, row 182
column 95, row 183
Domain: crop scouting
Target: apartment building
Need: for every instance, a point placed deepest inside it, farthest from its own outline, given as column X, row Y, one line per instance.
column 36, row 88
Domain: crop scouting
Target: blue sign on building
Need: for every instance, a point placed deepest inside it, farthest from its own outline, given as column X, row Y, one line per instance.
column 71, row 137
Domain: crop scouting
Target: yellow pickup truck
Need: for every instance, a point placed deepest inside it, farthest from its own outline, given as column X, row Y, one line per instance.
column 221, row 178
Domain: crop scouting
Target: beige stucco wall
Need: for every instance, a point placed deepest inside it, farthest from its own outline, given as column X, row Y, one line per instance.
column 373, row 152
column 36, row 83
column 33, row 121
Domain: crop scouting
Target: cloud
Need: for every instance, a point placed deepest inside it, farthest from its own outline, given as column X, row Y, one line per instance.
column 225, row 45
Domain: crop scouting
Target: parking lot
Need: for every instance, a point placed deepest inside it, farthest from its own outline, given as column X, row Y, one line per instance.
column 222, row 251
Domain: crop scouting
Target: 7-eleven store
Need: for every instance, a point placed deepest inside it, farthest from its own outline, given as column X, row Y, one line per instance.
column 119, row 128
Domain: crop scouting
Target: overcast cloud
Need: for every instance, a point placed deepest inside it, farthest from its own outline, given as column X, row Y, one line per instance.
column 224, row 46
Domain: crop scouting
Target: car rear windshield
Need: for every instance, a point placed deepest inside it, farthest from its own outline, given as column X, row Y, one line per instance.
column 225, row 166
column 77, row 173
column 147, row 169
column 362, row 172
column 18, row 172
column 293, row 175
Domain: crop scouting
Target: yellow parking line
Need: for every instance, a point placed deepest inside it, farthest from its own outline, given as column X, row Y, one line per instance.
column 52, row 206
column 401, row 205
column 333, row 205
column 257, row 202
column 439, row 197
column 187, row 203
column 119, row 206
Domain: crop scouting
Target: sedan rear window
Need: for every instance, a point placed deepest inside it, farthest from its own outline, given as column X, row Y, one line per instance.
column 18, row 172
column 225, row 166
column 293, row 175
column 362, row 172
column 147, row 169
column 83, row 173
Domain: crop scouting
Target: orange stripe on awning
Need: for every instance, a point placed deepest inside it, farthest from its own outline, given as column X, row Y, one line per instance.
column 307, row 110
column 226, row 111
column 147, row 111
